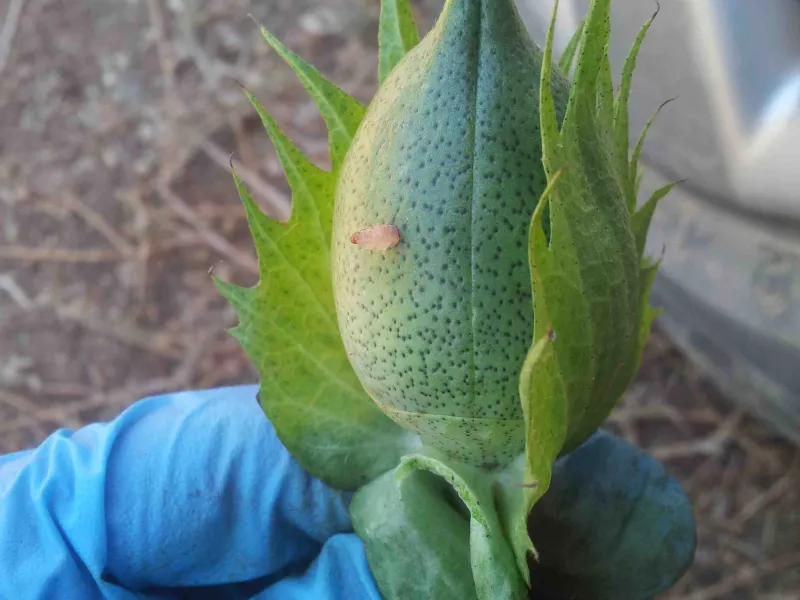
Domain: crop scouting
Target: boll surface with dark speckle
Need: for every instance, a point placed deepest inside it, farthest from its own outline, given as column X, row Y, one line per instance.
column 449, row 152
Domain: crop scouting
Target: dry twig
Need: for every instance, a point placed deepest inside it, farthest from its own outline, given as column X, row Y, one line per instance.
column 156, row 343
column 277, row 204
column 64, row 390
column 58, row 255
column 180, row 378
column 9, row 30
column 211, row 237
column 165, row 57
column 707, row 446
column 12, row 288
column 746, row 576
column 27, row 408
column 757, row 504
column 97, row 222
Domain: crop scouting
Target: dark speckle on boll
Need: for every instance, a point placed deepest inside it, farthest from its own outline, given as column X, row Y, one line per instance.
column 449, row 152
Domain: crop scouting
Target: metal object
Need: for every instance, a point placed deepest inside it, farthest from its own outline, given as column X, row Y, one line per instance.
column 730, row 277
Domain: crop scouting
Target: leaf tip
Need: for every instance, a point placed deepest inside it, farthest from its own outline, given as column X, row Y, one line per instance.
column 663, row 252
column 212, row 267
column 237, row 181
column 665, row 102
column 244, row 89
column 658, row 10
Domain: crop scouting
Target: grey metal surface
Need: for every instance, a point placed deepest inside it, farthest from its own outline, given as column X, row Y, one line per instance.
column 730, row 236
column 735, row 67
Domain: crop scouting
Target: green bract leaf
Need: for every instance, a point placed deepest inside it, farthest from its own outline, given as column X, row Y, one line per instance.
column 605, row 98
column 543, row 391
column 397, row 34
column 647, row 277
column 621, row 103
column 634, row 172
column 287, row 322
column 589, row 296
column 432, row 530
column 417, row 543
column 568, row 57
column 288, row 329
column 642, row 217
column 341, row 112
column 514, row 498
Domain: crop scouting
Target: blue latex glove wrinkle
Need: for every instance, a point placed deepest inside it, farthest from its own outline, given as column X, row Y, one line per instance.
column 184, row 490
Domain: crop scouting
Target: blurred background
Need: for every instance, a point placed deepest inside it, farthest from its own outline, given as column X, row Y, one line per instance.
column 116, row 122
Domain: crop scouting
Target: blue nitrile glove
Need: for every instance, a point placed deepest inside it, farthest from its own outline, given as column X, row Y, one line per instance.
column 188, row 495
column 192, row 495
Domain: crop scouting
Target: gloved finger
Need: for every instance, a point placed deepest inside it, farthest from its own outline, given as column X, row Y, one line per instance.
column 614, row 524
column 340, row 572
column 188, row 489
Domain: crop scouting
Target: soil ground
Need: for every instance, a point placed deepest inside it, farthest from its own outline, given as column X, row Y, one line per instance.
column 116, row 123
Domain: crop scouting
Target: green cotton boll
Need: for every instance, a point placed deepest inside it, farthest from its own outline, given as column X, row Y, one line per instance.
column 466, row 282
column 430, row 235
